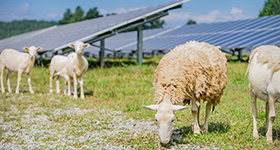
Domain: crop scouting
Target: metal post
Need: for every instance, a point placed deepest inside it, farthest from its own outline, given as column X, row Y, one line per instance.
column 239, row 50
column 140, row 45
column 102, row 52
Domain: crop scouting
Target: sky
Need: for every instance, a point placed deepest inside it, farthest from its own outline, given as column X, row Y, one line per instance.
column 202, row 11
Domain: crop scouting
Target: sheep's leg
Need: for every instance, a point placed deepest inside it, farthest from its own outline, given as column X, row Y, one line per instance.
column 18, row 81
column 205, row 126
column 198, row 113
column 69, row 87
column 196, row 128
column 1, row 80
column 82, row 87
column 266, row 115
column 8, row 81
column 271, row 117
column 65, row 87
column 57, row 85
column 51, row 78
column 254, row 112
column 29, row 83
column 75, row 86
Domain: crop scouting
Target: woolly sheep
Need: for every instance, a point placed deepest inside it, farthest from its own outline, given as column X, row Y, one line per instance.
column 19, row 62
column 58, row 63
column 190, row 72
column 76, row 67
column 264, row 81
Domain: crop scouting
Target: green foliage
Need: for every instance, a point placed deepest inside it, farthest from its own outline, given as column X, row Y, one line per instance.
column 93, row 13
column 271, row 8
column 191, row 22
column 16, row 27
column 66, row 17
column 78, row 15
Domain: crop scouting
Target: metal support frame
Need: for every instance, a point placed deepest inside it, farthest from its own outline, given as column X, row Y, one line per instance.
column 102, row 52
column 140, row 45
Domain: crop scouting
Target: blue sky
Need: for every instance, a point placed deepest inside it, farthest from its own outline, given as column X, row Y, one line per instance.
column 202, row 11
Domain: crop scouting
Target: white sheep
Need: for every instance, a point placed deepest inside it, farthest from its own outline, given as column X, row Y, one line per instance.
column 76, row 67
column 58, row 63
column 19, row 62
column 264, row 81
column 190, row 72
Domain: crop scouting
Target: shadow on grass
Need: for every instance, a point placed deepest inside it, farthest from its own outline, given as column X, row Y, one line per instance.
column 275, row 133
column 94, row 63
column 179, row 134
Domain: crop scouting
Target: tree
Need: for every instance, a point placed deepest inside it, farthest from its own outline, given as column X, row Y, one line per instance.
column 271, row 8
column 155, row 24
column 191, row 22
column 93, row 13
column 66, row 17
column 78, row 15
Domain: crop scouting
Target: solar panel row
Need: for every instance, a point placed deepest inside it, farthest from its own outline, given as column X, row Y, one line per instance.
column 233, row 34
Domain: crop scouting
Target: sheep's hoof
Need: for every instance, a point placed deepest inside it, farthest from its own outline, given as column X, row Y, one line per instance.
column 82, row 97
column 17, row 92
column 269, row 140
column 256, row 136
column 76, row 97
column 32, row 92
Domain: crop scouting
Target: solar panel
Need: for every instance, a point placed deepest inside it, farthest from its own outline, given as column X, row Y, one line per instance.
column 232, row 34
column 58, row 37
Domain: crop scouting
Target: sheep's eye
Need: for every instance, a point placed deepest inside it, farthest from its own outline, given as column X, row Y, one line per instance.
column 172, row 120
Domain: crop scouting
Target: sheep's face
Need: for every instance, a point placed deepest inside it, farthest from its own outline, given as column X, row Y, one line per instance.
column 79, row 47
column 165, row 117
column 32, row 51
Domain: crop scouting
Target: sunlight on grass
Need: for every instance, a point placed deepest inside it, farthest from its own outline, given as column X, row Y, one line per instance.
column 125, row 87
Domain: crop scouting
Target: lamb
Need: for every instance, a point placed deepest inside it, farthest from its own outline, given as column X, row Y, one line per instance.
column 58, row 63
column 76, row 67
column 19, row 62
column 190, row 72
column 264, row 81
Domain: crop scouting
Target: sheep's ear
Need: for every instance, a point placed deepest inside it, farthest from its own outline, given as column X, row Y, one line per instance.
column 39, row 48
column 178, row 107
column 71, row 45
column 25, row 49
column 86, row 45
column 151, row 107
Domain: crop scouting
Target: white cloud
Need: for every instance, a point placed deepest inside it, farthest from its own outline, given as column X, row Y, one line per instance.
column 237, row 13
column 24, row 7
column 210, row 17
column 52, row 15
column 181, row 16
column 124, row 10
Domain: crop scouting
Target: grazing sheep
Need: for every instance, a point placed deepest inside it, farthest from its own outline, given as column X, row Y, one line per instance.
column 190, row 72
column 76, row 67
column 58, row 62
column 264, row 81
column 19, row 62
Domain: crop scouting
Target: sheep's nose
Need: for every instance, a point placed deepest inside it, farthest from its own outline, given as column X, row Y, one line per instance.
column 165, row 141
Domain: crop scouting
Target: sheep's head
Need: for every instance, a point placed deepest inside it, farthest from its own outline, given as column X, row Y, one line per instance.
column 79, row 46
column 32, row 51
column 165, row 117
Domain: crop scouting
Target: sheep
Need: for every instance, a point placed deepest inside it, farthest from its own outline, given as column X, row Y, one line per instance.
column 76, row 67
column 192, row 72
column 264, row 81
column 58, row 63
column 19, row 62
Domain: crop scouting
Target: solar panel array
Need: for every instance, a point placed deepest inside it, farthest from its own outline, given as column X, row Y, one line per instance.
column 59, row 36
column 232, row 34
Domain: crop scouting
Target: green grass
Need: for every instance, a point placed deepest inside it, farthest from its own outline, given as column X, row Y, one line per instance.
column 124, row 86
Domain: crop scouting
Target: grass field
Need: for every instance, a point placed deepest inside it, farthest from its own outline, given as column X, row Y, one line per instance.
column 111, row 117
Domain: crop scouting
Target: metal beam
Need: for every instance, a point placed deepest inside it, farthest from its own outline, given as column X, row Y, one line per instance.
column 102, row 52
column 140, row 45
